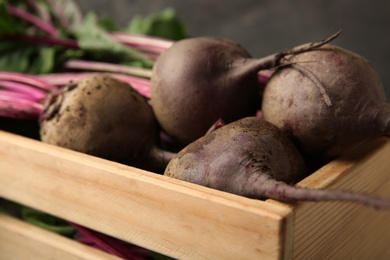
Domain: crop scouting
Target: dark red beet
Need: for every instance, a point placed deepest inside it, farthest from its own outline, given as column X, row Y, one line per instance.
column 253, row 158
column 327, row 101
column 200, row 80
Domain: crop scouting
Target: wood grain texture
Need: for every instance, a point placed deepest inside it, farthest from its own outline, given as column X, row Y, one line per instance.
column 178, row 219
column 344, row 230
column 187, row 221
column 20, row 240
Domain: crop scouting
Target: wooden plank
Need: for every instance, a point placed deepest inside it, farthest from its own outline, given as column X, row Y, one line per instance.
column 339, row 230
column 169, row 216
column 20, row 240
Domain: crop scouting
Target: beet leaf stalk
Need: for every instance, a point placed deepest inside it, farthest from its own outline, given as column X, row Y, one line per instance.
column 22, row 96
column 109, row 244
column 19, row 108
column 39, row 23
column 41, row 40
column 142, row 42
column 142, row 85
column 27, row 79
column 16, row 87
column 86, row 65
column 251, row 66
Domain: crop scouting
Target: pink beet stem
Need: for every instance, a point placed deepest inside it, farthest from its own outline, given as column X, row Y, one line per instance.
column 141, row 85
column 110, row 244
column 4, row 94
column 151, row 56
column 264, row 76
column 43, row 14
column 107, row 67
column 44, row 26
column 61, row 79
column 29, row 90
column 19, row 108
column 17, row 97
column 143, row 42
column 27, row 79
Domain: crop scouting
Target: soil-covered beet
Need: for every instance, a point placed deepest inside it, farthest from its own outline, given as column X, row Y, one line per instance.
column 104, row 117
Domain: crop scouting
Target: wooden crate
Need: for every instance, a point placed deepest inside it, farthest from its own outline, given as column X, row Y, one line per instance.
column 20, row 240
column 187, row 221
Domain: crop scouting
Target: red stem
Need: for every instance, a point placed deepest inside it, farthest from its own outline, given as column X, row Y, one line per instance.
column 148, row 43
column 31, row 91
column 4, row 94
column 27, row 79
column 66, row 43
column 44, row 26
column 107, row 67
column 19, row 108
column 109, row 244
column 61, row 79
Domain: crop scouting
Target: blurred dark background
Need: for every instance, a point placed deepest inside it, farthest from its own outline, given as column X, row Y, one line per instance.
column 264, row 27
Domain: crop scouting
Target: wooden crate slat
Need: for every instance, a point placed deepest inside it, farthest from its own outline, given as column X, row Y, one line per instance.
column 159, row 213
column 21, row 240
column 346, row 230
column 188, row 221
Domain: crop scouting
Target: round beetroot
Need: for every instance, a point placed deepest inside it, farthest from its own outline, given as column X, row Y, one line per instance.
column 253, row 158
column 104, row 117
column 327, row 100
column 200, row 80
column 192, row 87
column 238, row 157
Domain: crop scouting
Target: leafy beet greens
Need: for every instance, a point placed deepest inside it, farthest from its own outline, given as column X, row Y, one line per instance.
column 37, row 37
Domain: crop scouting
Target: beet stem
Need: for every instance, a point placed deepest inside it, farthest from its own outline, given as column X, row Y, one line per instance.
column 44, row 26
column 19, row 108
column 143, row 42
column 110, row 244
column 251, row 66
column 50, row 41
column 309, row 46
column 160, row 157
column 4, row 94
column 387, row 127
column 107, row 67
column 22, row 88
column 27, row 79
column 142, row 85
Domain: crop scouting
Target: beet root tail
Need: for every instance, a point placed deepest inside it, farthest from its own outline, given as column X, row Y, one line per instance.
column 281, row 191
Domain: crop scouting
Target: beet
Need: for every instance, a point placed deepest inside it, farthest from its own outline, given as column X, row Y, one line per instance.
column 327, row 101
column 200, row 80
column 107, row 118
column 253, row 158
